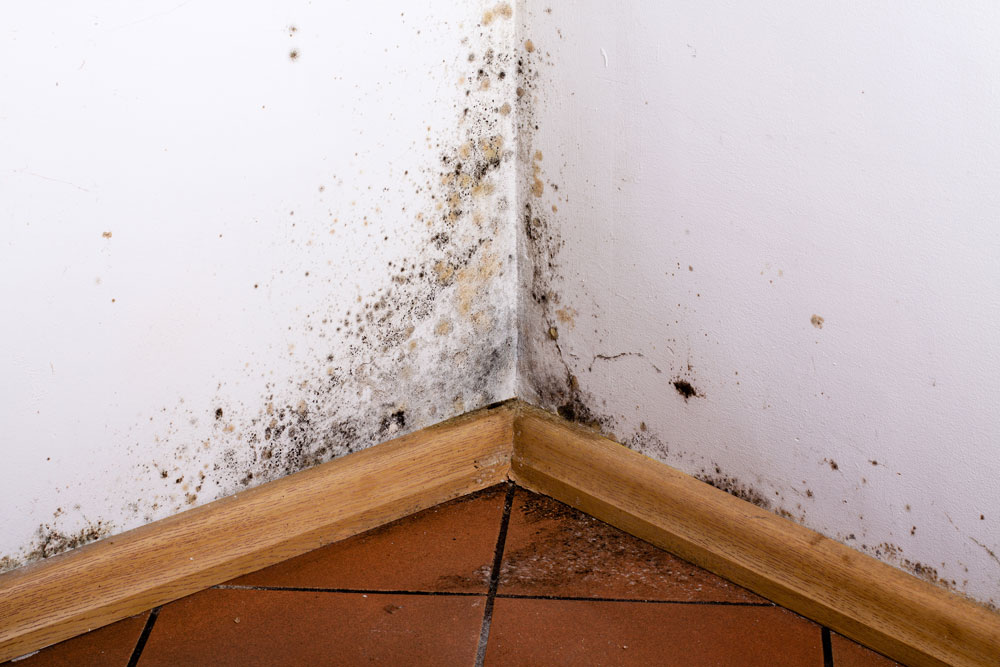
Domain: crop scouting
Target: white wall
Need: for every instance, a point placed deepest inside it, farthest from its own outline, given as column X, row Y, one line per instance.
column 200, row 200
column 672, row 194
column 727, row 171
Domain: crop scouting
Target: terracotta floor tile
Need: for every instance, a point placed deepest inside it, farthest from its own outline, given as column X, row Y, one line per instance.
column 847, row 653
column 111, row 645
column 445, row 548
column 572, row 632
column 555, row 550
column 252, row 627
column 551, row 551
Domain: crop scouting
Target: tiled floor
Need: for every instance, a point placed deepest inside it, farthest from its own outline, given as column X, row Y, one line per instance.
column 501, row 577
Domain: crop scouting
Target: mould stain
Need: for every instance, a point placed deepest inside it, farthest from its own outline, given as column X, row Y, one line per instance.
column 440, row 294
column 434, row 340
column 892, row 553
column 50, row 541
column 817, row 321
column 549, row 375
column 548, row 378
column 734, row 487
column 501, row 10
column 685, row 389
column 992, row 554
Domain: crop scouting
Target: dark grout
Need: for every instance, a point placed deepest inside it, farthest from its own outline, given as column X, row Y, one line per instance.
column 827, row 648
column 143, row 637
column 506, row 596
column 719, row 603
column 365, row 591
column 484, row 631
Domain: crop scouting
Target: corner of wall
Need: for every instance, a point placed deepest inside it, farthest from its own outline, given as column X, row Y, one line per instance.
column 544, row 378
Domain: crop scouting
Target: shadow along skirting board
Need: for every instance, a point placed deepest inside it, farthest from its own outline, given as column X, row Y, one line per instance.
column 873, row 603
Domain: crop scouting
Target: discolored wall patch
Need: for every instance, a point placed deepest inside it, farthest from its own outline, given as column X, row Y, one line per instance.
column 371, row 353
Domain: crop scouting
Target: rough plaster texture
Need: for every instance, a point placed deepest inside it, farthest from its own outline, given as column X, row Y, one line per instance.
column 775, row 264
column 757, row 244
column 240, row 240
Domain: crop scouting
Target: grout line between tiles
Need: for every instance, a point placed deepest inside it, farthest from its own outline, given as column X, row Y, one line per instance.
column 484, row 631
column 143, row 637
column 506, row 596
column 717, row 603
column 365, row 591
column 827, row 648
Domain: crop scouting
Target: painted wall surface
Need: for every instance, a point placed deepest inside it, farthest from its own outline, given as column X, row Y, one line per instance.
column 772, row 258
column 238, row 240
column 758, row 244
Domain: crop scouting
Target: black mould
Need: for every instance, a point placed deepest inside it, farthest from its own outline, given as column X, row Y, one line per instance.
column 50, row 541
column 315, row 417
column 685, row 389
column 734, row 487
column 392, row 423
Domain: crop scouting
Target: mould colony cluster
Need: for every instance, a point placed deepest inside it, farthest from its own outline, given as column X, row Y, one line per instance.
column 435, row 331
column 892, row 553
column 552, row 382
column 49, row 541
column 736, row 487
column 551, row 378
column 435, row 340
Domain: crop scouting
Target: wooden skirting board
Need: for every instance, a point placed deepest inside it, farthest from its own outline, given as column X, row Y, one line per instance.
column 100, row 583
column 873, row 603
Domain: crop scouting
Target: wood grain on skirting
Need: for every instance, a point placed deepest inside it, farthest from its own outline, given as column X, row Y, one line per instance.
column 854, row 594
column 873, row 603
column 66, row 595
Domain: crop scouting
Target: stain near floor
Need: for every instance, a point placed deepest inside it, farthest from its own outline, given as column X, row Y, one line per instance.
column 500, row 577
